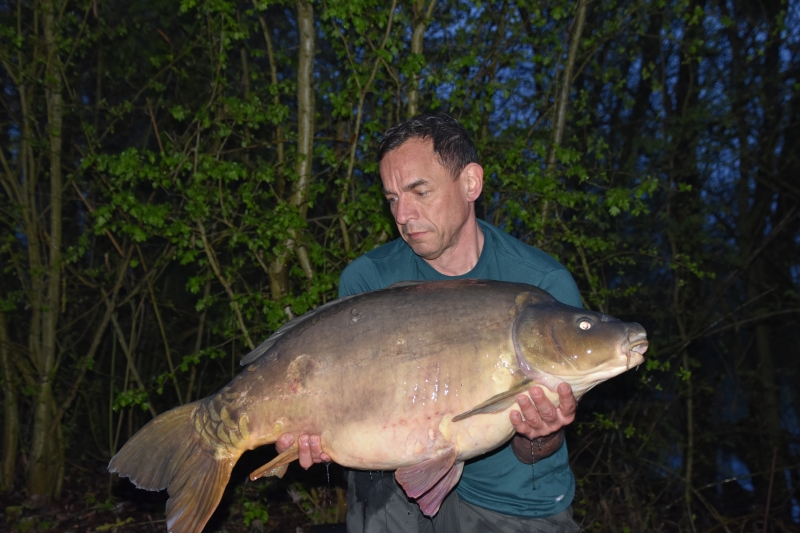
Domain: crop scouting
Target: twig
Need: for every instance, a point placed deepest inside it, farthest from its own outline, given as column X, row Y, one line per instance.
column 91, row 210
column 354, row 141
column 710, row 328
column 215, row 266
column 129, row 356
column 562, row 99
column 161, row 327
column 111, row 305
column 752, row 257
column 155, row 126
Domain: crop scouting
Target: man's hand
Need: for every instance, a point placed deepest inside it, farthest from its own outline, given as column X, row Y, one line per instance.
column 309, row 449
column 541, row 418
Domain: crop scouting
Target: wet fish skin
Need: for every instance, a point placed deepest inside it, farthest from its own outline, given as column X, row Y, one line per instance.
column 416, row 378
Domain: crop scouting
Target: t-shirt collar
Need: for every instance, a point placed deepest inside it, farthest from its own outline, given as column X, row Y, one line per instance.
column 427, row 272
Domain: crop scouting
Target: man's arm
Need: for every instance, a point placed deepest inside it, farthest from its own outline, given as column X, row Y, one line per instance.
column 541, row 422
column 533, row 451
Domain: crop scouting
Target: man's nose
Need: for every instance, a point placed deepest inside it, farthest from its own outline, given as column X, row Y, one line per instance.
column 404, row 211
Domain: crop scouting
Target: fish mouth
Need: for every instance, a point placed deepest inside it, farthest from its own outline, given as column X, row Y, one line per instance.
column 637, row 346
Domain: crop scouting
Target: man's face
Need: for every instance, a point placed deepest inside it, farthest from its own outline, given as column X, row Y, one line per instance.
column 429, row 207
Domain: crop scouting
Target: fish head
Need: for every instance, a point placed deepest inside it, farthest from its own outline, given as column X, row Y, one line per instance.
column 558, row 343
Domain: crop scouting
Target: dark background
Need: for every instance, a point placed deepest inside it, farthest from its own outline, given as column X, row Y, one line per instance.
column 177, row 179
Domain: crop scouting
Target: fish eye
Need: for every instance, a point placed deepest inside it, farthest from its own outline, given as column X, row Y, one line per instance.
column 584, row 323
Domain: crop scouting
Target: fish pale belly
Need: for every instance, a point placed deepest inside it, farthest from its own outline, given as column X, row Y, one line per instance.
column 402, row 441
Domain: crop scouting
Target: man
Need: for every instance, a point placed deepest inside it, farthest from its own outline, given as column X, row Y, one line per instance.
column 431, row 179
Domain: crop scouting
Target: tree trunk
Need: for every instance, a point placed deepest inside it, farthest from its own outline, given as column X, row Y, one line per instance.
column 562, row 100
column 421, row 18
column 684, row 232
column 763, row 275
column 10, row 410
column 45, row 468
column 305, row 106
column 560, row 114
column 278, row 268
column 276, row 100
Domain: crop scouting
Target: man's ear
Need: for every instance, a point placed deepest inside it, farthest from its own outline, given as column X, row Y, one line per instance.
column 472, row 178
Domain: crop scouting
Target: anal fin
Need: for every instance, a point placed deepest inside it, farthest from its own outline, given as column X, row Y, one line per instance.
column 418, row 479
column 278, row 466
column 498, row 402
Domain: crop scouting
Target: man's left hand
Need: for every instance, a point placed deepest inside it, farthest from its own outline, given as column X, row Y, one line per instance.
column 540, row 417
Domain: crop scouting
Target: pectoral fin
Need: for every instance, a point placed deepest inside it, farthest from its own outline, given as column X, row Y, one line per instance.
column 498, row 402
column 430, row 502
column 278, row 466
column 418, row 479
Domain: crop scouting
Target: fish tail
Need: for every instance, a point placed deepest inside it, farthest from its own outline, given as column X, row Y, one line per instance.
column 175, row 451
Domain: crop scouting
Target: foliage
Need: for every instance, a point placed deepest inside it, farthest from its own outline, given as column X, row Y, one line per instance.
column 322, row 505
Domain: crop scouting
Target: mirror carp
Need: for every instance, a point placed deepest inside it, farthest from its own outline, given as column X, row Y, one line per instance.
column 416, row 378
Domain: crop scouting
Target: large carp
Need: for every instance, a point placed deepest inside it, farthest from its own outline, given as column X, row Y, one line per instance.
column 415, row 378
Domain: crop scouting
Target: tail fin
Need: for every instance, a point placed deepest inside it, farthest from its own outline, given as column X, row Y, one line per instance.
column 169, row 452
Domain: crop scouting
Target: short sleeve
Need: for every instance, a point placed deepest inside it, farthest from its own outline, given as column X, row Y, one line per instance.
column 359, row 276
column 560, row 284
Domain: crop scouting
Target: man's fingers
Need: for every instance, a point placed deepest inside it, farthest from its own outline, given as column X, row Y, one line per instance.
column 527, row 421
column 537, row 416
column 304, row 452
column 545, row 408
column 309, row 448
column 315, row 444
column 568, row 404
column 520, row 425
column 528, row 410
column 284, row 442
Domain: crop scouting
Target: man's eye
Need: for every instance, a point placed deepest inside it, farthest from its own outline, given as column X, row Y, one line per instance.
column 391, row 200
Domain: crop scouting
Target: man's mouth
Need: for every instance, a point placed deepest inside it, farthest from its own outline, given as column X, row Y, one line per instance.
column 414, row 234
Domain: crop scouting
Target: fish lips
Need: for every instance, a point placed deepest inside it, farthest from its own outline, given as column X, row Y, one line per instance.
column 636, row 347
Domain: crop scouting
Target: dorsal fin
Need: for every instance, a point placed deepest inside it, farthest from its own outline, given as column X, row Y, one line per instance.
column 265, row 346
column 408, row 283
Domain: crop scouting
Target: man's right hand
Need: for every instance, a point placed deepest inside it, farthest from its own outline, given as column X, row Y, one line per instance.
column 309, row 449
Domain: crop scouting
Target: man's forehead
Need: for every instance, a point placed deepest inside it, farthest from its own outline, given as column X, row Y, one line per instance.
column 424, row 143
column 414, row 148
column 411, row 165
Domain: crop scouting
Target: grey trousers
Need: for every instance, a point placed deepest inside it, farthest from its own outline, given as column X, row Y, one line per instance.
column 377, row 504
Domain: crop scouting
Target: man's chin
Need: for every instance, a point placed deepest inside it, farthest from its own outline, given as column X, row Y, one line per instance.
column 427, row 252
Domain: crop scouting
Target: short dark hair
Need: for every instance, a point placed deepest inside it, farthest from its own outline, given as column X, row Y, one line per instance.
column 451, row 141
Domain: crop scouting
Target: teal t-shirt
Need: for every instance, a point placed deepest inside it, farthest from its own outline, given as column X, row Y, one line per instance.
column 497, row 481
